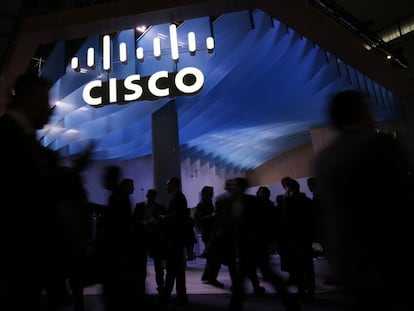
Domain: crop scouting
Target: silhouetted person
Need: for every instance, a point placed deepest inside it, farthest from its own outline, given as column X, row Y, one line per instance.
column 283, row 181
column 267, row 208
column 189, row 248
column 204, row 218
column 222, row 247
column 179, row 228
column 239, row 227
column 281, row 238
column 150, row 237
column 365, row 175
column 26, row 215
column 319, row 200
column 298, row 230
column 72, row 234
column 119, row 275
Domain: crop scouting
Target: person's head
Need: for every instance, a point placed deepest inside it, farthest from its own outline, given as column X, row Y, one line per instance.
column 292, row 185
column 240, row 186
column 349, row 109
column 229, row 185
column 173, row 185
column 284, row 180
column 313, row 183
column 127, row 186
column 207, row 193
column 31, row 98
column 263, row 193
column 151, row 195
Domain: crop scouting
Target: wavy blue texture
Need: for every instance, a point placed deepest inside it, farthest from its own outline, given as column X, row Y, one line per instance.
column 265, row 88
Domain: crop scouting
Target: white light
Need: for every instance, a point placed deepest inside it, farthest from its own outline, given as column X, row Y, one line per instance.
column 112, row 90
column 152, row 84
column 141, row 28
column 131, row 86
column 140, row 53
column 157, row 47
column 74, row 63
column 106, row 49
column 402, row 28
column 90, row 60
column 198, row 84
column 57, row 103
column 210, row 43
column 367, row 46
column 191, row 42
column 86, row 93
column 174, row 42
column 123, row 52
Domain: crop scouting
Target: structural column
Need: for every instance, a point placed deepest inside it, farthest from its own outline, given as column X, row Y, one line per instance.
column 165, row 148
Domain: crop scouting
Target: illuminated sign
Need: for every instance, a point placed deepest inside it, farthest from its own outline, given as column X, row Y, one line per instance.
column 187, row 81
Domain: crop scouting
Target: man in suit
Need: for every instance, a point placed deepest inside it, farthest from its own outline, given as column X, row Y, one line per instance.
column 120, row 283
column 26, row 197
column 179, row 228
column 366, row 177
column 241, row 226
column 150, row 236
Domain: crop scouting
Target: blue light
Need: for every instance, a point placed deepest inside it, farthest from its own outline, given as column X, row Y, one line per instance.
column 265, row 88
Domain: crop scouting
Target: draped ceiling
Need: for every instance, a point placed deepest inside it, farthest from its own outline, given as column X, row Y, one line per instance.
column 265, row 87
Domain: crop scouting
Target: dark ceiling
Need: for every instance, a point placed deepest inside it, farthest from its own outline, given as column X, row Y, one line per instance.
column 371, row 16
column 13, row 13
column 374, row 18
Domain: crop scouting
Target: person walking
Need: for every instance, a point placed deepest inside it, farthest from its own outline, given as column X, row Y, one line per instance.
column 27, row 212
column 369, row 189
column 150, row 237
column 179, row 229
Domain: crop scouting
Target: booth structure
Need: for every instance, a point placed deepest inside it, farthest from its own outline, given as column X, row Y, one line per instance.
column 244, row 86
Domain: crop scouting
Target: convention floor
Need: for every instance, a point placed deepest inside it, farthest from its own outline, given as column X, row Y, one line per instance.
column 206, row 297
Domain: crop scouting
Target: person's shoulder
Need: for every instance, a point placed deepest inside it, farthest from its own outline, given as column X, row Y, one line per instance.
column 222, row 197
column 279, row 198
column 385, row 138
column 5, row 118
column 9, row 125
column 200, row 205
column 181, row 195
column 159, row 205
column 328, row 149
column 386, row 145
column 251, row 197
column 270, row 204
column 140, row 204
column 305, row 197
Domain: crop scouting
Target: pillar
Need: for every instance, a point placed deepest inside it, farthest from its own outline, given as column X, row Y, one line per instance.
column 165, row 148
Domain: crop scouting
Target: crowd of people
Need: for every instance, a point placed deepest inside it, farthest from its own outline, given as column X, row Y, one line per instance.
column 362, row 193
column 238, row 232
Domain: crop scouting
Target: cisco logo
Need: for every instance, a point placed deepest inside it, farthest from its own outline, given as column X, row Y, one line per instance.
column 187, row 81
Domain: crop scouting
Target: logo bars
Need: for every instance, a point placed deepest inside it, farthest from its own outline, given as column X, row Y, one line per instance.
column 123, row 55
